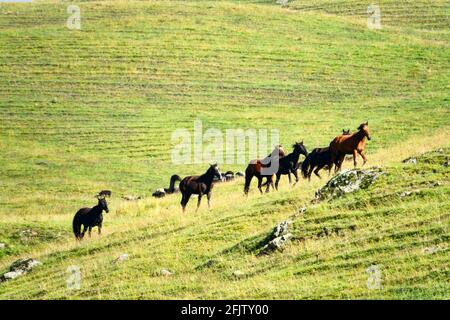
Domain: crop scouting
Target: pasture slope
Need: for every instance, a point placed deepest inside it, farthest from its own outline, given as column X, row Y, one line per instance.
column 83, row 110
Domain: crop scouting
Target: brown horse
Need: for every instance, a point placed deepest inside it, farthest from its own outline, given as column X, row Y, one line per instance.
column 350, row 144
column 199, row 185
column 254, row 170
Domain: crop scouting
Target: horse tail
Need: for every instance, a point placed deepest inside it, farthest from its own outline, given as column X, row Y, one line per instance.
column 305, row 165
column 249, row 172
column 173, row 179
column 76, row 226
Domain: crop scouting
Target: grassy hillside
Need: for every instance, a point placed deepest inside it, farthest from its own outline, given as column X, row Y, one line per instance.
column 83, row 110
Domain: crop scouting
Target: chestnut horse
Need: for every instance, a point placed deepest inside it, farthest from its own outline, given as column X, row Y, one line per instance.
column 254, row 170
column 350, row 144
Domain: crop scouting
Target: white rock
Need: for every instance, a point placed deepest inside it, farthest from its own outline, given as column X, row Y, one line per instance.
column 165, row 272
column 122, row 257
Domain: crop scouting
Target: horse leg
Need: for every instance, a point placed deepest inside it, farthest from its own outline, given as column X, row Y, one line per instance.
column 248, row 180
column 90, row 230
column 296, row 176
column 185, row 200
column 316, row 172
column 84, row 231
column 269, row 182
column 354, row 158
column 310, row 171
column 361, row 153
column 259, row 184
column 208, row 197
column 290, row 179
column 277, row 180
column 100, row 229
column 199, row 201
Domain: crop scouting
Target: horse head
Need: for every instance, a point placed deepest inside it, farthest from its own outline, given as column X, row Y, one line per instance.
column 300, row 148
column 345, row 132
column 214, row 170
column 102, row 202
column 365, row 128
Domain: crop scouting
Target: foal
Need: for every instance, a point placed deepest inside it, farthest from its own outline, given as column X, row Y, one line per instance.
column 199, row 185
column 89, row 218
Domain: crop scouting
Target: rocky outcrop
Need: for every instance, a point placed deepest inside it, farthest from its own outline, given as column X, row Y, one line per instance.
column 19, row 268
column 348, row 181
column 279, row 238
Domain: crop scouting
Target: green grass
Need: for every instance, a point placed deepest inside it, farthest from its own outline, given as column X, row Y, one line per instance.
column 84, row 110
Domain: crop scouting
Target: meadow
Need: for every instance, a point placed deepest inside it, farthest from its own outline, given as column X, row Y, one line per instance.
column 95, row 108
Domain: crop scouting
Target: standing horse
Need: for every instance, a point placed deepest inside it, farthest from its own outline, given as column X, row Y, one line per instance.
column 350, row 144
column 255, row 167
column 199, row 185
column 89, row 218
column 289, row 163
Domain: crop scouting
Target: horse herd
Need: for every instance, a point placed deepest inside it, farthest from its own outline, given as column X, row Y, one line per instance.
column 318, row 159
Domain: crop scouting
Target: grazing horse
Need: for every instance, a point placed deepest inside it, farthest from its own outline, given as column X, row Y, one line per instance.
column 289, row 163
column 254, row 169
column 89, row 218
column 199, row 185
column 350, row 144
column 318, row 159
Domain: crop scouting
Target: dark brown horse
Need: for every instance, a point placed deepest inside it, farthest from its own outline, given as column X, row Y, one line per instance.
column 255, row 168
column 199, row 185
column 350, row 144
column 318, row 159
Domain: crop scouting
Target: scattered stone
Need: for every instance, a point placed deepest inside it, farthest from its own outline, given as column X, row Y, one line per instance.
column 431, row 250
column 122, row 257
column 278, row 243
column 447, row 164
column 131, row 198
column 238, row 274
column 279, row 238
column 165, row 273
column 42, row 163
column 411, row 160
column 27, row 234
column 159, row 193
column 2, row 246
column 348, row 181
column 19, row 268
column 405, row 194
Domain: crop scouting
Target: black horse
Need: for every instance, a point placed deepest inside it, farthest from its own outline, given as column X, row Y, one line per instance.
column 318, row 159
column 289, row 163
column 89, row 218
column 199, row 185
